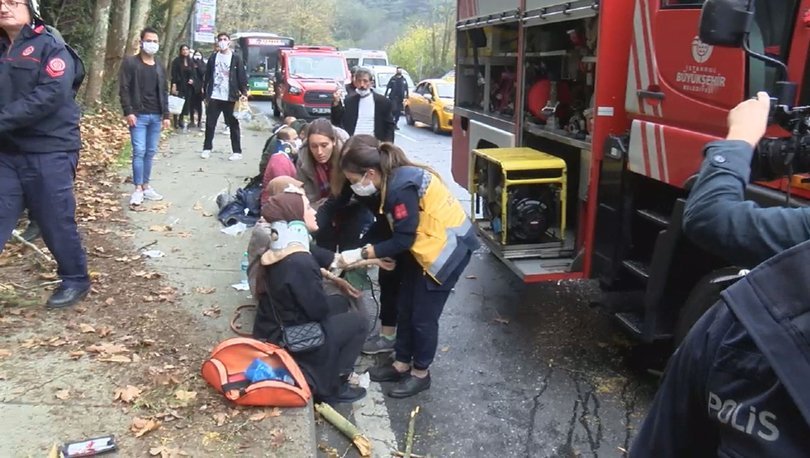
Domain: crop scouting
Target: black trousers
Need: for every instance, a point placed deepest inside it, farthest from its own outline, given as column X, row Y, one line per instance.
column 421, row 302
column 216, row 108
column 43, row 183
column 195, row 107
column 390, row 286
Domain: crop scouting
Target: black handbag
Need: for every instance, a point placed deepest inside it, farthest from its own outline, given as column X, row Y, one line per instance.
column 300, row 338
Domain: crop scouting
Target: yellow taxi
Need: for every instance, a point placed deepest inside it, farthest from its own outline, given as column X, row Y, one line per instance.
column 432, row 103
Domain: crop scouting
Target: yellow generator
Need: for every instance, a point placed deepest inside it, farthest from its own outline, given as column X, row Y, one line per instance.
column 519, row 199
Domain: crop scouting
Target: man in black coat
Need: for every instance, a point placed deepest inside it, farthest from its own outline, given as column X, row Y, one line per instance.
column 397, row 92
column 365, row 112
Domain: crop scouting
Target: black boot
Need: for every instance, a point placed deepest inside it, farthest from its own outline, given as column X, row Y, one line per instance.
column 66, row 297
column 347, row 393
column 410, row 386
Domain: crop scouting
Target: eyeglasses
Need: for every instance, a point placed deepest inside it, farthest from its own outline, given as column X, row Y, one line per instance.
column 12, row 3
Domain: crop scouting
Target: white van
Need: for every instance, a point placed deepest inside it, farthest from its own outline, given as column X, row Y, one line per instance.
column 364, row 57
column 383, row 73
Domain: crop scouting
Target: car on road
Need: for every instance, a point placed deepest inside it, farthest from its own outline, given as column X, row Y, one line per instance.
column 432, row 103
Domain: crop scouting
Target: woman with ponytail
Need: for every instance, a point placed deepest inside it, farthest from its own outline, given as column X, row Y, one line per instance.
column 432, row 239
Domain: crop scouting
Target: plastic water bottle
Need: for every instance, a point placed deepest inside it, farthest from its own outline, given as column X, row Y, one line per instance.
column 244, row 268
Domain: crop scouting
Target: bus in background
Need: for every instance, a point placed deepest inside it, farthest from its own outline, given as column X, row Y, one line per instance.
column 259, row 51
column 365, row 58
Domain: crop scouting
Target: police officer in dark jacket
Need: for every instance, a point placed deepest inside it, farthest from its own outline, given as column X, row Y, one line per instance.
column 736, row 386
column 39, row 141
column 397, row 92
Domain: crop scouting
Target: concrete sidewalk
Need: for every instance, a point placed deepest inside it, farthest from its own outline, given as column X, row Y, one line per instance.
column 199, row 257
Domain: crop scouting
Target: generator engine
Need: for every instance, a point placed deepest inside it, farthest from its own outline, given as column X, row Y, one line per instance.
column 520, row 193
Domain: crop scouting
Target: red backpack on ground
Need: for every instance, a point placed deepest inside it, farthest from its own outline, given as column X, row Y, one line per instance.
column 225, row 371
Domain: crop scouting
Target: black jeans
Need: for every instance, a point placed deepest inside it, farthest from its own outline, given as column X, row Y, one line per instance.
column 421, row 302
column 195, row 107
column 215, row 108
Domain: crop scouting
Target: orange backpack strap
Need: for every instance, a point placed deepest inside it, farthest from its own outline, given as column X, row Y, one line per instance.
column 236, row 316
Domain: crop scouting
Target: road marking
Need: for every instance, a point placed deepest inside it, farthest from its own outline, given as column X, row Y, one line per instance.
column 407, row 137
column 371, row 416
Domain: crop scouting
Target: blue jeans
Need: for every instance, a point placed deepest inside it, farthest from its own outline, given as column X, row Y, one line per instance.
column 145, row 136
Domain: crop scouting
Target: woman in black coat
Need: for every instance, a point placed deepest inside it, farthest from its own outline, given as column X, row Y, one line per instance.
column 295, row 295
column 197, row 96
column 182, row 81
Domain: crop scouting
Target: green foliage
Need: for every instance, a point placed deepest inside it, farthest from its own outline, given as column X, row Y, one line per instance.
column 413, row 52
column 70, row 18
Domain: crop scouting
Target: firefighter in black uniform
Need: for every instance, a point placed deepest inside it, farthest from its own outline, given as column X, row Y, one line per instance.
column 39, row 140
column 737, row 384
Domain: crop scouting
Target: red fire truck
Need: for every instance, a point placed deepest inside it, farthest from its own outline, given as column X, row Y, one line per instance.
column 579, row 127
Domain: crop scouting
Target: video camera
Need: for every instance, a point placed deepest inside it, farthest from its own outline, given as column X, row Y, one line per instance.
column 778, row 157
column 727, row 23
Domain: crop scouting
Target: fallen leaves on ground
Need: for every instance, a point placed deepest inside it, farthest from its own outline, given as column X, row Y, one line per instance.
column 86, row 328
column 4, row 353
column 127, row 394
column 184, row 396
column 220, row 418
column 204, row 290
column 64, row 395
column 108, row 348
column 74, row 355
column 213, row 312
column 166, row 452
column 146, row 275
column 265, row 413
column 160, row 228
column 141, row 426
column 277, row 437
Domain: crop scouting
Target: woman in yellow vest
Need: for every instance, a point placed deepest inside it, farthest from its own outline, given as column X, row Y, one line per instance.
column 436, row 239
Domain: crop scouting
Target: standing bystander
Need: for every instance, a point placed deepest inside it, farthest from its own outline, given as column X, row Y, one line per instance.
column 40, row 140
column 225, row 83
column 397, row 93
column 144, row 98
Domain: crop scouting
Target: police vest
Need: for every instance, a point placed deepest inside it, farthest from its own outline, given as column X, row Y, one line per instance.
column 444, row 233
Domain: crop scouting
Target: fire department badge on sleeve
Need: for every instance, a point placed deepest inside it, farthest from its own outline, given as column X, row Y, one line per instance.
column 56, row 67
column 28, row 51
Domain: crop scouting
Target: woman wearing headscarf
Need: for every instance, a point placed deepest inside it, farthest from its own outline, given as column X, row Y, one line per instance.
column 434, row 240
column 295, row 295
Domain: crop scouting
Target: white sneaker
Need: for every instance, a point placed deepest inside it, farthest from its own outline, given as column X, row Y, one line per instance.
column 136, row 199
column 151, row 194
column 205, row 154
column 235, row 157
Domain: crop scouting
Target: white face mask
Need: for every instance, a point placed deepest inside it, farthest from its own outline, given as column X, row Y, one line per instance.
column 363, row 92
column 364, row 190
column 223, row 45
column 150, row 48
column 298, row 144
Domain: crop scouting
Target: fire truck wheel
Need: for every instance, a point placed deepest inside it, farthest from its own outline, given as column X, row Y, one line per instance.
column 704, row 294
column 409, row 117
column 435, row 125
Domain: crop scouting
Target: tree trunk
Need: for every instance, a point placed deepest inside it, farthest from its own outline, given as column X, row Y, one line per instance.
column 95, row 80
column 168, row 51
column 117, row 38
column 140, row 14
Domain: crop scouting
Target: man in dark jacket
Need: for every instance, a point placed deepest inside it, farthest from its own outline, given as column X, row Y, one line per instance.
column 40, row 141
column 365, row 112
column 397, row 92
column 717, row 216
column 225, row 83
column 145, row 101
column 736, row 385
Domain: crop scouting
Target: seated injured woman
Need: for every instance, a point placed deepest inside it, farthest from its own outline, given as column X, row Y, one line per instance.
column 293, row 292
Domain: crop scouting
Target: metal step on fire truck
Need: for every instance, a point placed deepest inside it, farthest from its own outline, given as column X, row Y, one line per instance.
column 579, row 127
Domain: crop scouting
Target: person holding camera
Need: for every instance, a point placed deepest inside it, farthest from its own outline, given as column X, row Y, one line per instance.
column 736, row 386
column 718, row 218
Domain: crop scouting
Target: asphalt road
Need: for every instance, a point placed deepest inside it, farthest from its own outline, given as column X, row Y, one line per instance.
column 522, row 371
